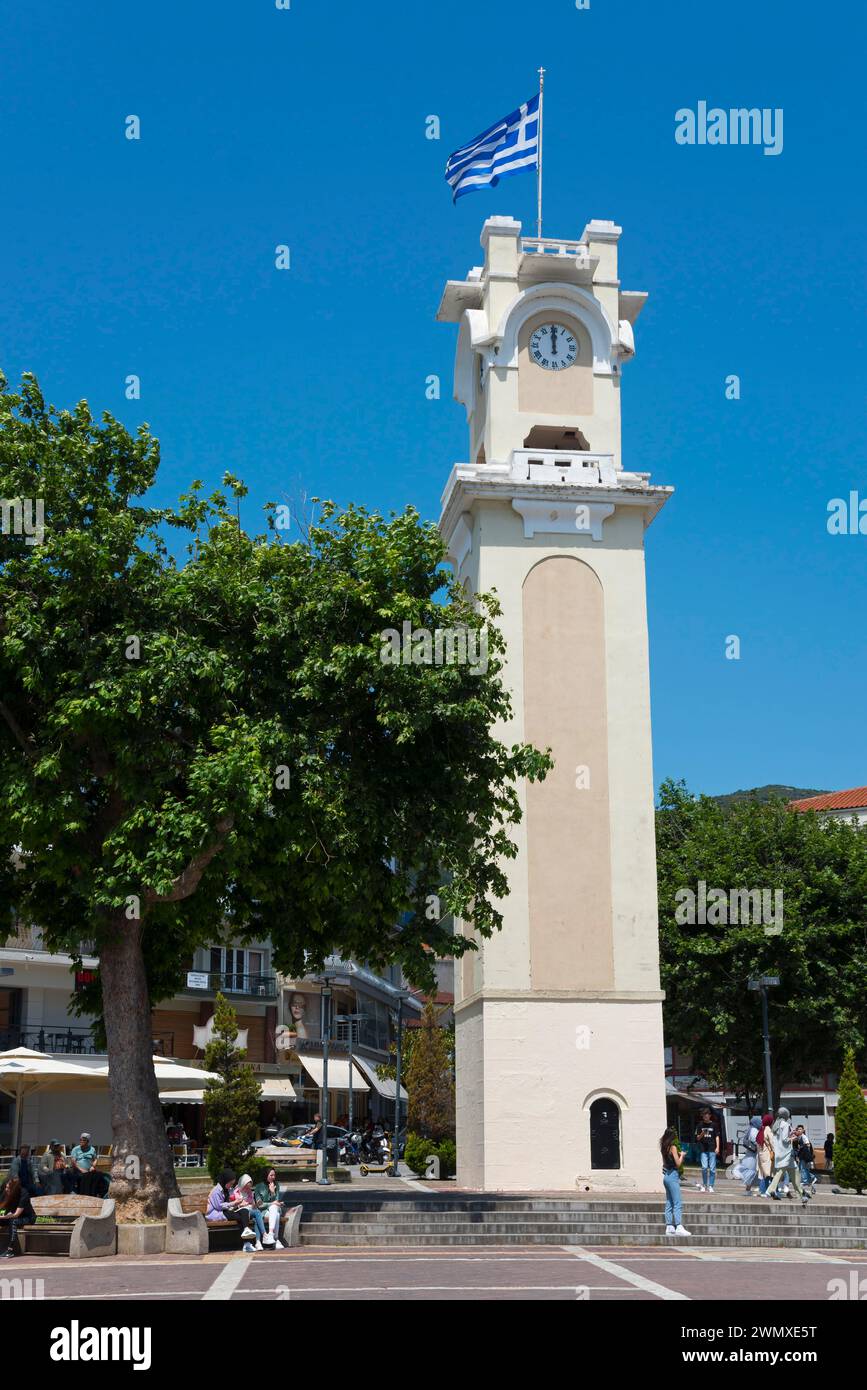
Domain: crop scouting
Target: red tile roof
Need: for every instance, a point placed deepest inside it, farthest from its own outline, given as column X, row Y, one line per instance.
column 853, row 800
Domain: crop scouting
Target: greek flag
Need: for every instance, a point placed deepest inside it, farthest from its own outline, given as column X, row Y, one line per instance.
column 508, row 147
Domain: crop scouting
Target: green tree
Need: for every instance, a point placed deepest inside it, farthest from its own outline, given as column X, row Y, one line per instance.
column 850, row 1138
column 231, row 1104
column 430, row 1083
column 211, row 746
column 820, row 952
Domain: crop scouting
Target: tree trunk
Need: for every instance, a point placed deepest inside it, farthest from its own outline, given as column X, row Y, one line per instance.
column 142, row 1172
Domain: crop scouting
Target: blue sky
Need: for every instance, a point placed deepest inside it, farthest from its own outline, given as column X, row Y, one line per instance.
column 307, row 127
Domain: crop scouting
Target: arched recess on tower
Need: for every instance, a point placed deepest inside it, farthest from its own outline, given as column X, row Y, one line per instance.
column 568, row 815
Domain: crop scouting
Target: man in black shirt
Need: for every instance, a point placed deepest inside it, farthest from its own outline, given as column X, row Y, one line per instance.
column 708, row 1138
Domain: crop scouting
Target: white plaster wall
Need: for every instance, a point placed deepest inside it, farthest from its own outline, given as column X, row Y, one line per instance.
column 500, row 559
column 59, row 1115
column 47, row 1008
column 536, row 1082
column 470, row 1098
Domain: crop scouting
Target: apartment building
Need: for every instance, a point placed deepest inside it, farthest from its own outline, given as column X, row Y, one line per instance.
column 280, row 1022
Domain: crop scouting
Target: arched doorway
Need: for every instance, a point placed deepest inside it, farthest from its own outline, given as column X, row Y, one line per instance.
column 604, row 1133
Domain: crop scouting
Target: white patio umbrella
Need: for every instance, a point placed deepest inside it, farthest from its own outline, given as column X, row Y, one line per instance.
column 23, row 1071
column 173, row 1076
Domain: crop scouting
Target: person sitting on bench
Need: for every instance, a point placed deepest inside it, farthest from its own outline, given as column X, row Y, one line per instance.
column 220, row 1205
column 223, row 1205
column 243, row 1195
column 55, row 1177
column 272, row 1204
column 83, row 1157
column 17, row 1211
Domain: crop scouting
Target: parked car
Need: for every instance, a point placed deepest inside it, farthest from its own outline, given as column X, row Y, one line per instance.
column 290, row 1137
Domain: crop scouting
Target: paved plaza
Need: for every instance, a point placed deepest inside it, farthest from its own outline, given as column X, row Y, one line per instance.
column 509, row 1273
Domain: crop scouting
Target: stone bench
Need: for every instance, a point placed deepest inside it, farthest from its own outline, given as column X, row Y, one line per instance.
column 187, row 1231
column 83, row 1228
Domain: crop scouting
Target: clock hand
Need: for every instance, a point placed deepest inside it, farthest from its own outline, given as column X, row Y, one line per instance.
column 553, row 340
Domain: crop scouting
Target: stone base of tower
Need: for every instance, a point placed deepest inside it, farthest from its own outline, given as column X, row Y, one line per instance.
column 530, row 1070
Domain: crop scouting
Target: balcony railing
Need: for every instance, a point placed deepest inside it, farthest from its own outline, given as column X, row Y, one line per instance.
column 229, row 982
column 29, row 938
column 71, row 1040
column 564, row 466
column 49, row 1039
column 554, row 246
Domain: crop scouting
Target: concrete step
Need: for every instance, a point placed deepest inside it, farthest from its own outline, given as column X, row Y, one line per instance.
column 579, row 1223
column 479, row 1222
column 398, row 1228
column 621, row 1239
column 625, row 1209
column 783, row 1219
column 776, row 1215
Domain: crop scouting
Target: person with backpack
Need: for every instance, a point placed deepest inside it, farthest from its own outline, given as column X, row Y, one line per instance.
column 784, row 1157
column 672, row 1162
column 803, row 1151
column 747, row 1169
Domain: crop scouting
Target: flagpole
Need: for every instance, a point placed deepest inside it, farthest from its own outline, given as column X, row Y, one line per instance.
column 539, row 160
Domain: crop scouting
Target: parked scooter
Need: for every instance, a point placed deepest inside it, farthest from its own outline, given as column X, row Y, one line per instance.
column 350, row 1149
column 376, row 1153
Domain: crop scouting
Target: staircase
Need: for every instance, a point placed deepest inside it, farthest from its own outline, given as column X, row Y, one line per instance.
column 415, row 1221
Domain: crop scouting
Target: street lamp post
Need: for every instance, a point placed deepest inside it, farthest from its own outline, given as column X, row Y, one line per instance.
column 394, row 1140
column 322, row 1178
column 351, row 1020
column 763, row 983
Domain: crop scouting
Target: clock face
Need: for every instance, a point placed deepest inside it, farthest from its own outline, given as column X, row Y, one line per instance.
column 553, row 346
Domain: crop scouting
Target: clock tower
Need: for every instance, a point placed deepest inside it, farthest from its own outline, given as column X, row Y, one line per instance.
column 560, row 1074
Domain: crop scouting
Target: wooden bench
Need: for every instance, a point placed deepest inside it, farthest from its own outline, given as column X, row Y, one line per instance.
column 226, row 1235
column 65, row 1211
column 288, row 1158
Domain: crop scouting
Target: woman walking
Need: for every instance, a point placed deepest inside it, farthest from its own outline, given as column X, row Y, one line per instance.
column 747, row 1168
column 784, row 1157
column 765, row 1154
column 672, row 1162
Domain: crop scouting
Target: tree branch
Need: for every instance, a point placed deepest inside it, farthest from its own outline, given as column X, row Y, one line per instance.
column 17, row 731
column 188, row 880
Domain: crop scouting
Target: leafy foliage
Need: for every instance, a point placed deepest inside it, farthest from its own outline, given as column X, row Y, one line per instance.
column 231, row 1104
column 820, row 954
column 211, row 747
column 156, row 775
column 429, row 1079
column 419, row 1150
column 850, row 1138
